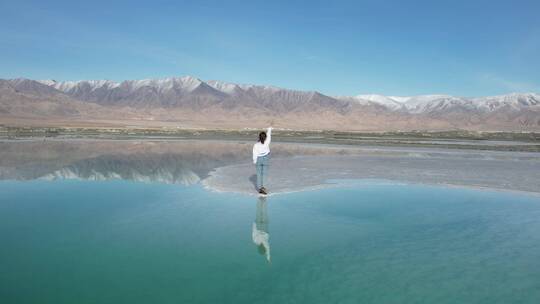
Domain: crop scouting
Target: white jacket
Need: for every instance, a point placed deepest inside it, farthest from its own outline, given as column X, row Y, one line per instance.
column 260, row 149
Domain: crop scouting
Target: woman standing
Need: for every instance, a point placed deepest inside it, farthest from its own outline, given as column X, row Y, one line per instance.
column 261, row 154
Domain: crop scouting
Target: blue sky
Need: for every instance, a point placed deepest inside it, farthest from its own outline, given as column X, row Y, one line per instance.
column 464, row 48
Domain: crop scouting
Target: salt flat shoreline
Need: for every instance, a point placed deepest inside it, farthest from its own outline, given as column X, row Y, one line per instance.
column 225, row 165
column 292, row 174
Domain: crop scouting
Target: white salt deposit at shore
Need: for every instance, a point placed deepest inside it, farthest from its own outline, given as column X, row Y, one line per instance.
column 497, row 170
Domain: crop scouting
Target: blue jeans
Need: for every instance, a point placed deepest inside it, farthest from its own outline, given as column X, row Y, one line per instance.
column 262, row 168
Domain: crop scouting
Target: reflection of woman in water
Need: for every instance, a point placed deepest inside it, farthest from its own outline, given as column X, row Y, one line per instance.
column 261, row 154
column 259, row 233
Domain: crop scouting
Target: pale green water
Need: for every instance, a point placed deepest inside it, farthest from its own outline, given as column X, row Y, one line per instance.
column 131, row 242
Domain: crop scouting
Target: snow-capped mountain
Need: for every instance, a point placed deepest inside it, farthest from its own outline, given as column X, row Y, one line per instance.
column 138, row 93
column 190, row 91
column 430, row 103
column 186, row 83
column 191, row 99
column 386, row 101
column 228, row 88
column 167, row 90
column 514, row 100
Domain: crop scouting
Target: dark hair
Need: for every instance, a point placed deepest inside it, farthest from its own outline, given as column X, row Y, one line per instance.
column 262, row 137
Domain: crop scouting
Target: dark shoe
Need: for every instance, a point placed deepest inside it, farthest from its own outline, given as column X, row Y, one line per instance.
column 262, row 191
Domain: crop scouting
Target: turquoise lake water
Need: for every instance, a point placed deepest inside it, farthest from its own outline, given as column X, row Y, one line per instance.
column 70, row 241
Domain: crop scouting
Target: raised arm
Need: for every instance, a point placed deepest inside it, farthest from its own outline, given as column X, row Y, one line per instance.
column 268, row 136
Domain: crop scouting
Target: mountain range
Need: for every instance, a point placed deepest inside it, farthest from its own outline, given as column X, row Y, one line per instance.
column 190, row 102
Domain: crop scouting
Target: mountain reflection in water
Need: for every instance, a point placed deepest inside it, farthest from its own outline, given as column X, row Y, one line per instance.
column 174, row 162
column 169, row 169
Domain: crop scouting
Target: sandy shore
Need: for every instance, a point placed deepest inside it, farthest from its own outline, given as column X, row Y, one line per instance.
column 496, row 170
